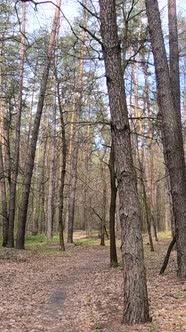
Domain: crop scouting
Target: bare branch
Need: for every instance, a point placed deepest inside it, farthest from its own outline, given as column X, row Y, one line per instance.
column 92, row 35
column 89, row 11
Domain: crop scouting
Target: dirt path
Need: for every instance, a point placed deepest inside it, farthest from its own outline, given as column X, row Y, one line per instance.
column 78, row 292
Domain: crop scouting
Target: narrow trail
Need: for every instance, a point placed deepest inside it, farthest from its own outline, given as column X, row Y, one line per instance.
column 63, row 292
column 76, row 291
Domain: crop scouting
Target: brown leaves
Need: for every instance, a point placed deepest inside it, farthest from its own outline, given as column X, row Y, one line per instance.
column 79, row 292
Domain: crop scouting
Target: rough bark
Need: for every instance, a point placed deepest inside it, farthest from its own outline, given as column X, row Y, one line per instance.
column 184, row 106
column 136, row 309
column 112, row 212
column 174, row 55
column 32, row 148
column 63, row 173
column 171, row 133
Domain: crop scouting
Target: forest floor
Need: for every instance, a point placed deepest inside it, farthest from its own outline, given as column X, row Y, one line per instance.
column 43, row 289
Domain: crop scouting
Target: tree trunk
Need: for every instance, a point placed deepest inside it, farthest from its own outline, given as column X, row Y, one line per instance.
column 75, row 136
column 146, row 206
column 151, row 169
column 36, row 198
column 15, row 157
column 87, row 156
column 171, row 133
column 174, row 55
column 104, row 201
column 73, row 181
column 42, row 214
column 136, row 308
column 5, row 220
column 112, row 215
column 166, row 259
column 32, row 148
column 184, row 105
column 63, row 173
column 50, row 203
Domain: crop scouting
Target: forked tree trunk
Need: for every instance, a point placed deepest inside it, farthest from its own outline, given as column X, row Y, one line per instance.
column 33, row 141
column 171, row 133
column 136, row 308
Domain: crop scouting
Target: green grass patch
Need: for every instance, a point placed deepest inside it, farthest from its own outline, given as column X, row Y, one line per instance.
column 164, row 235
column 40, row 238
column 39, row 243
column 181, row 293
column 88, row 241
column 153, row 326
column 35, row 239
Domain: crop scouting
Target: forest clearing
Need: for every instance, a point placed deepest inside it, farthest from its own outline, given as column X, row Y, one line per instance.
column 44, row 289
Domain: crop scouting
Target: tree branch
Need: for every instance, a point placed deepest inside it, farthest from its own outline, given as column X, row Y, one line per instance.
column 89, row 11
column 92, row 35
